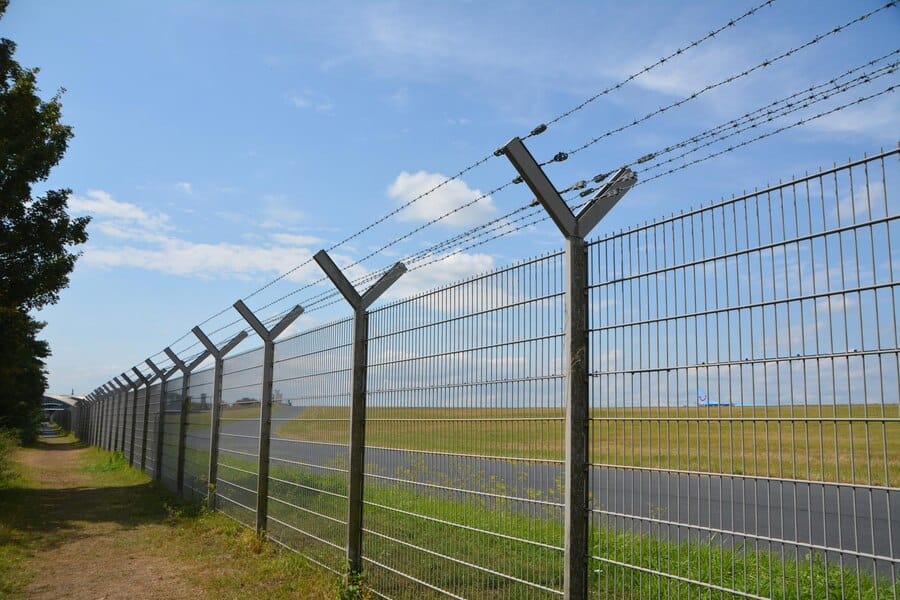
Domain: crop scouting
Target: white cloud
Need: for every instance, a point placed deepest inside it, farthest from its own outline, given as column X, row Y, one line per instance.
column 206, row 261
column 101, row 204
column 878, row 119
column 278, row 212
column 448, row 197
column 289, row 239
column 453, row 268
column 184, row 186
column 312, row 100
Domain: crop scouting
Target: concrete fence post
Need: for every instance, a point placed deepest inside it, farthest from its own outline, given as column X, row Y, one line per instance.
column 358, row 375
column 577, row 358
column 186, row 370
column 268, row 337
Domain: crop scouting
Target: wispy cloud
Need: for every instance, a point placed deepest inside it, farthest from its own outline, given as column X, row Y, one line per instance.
column 101, row 204
column 448, row 197
column 311, row 100
column 184, row 186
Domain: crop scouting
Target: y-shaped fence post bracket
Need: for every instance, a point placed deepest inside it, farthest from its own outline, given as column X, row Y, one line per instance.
column 360, row 304
column 135, row 385
column 577, row 391
column 160, row 415
column 121, row 388
column 185, row 409
column 268, row 337
column 218, row 355
column 147, row 380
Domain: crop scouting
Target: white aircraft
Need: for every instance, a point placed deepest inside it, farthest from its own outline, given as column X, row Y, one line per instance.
column 703, row 400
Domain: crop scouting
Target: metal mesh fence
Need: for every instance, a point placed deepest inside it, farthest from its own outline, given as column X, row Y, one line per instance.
column 152, row 430
column 745, row 433
column 744, row 425
column 464, row 427
column 171, row 420
column 196, row 434
column 309, row 451
column 239, row 436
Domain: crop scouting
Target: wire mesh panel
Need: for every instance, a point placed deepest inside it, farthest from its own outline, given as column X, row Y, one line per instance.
column 309, row 454
column 127, row 405
column 138, row 431
column 196, row 436
column 464, row 437
column 152, row 430
column 745, row 431
column 239, row 436
column 171, row 419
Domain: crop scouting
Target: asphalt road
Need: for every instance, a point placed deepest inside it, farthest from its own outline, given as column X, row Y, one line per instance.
column 862, row 522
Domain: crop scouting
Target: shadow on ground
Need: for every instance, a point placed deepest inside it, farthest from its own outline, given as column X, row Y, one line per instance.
column 58, row 515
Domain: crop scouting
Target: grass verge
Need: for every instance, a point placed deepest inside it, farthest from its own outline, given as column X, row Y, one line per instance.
column 99, row 511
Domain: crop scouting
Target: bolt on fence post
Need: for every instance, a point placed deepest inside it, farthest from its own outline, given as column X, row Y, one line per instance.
column 358, row 375
column 134, row 387
column 185, row 409
column 147, row 380
column 160, row 415
column 268, row 337
column 218, row 355
column 577, row 389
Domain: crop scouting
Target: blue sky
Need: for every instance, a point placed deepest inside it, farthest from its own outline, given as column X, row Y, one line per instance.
column 219, row 144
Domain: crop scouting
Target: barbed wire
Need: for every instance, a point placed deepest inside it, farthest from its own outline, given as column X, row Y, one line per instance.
column 771, row 115
column 731, row 23
column 562, row 156
column 768, row 134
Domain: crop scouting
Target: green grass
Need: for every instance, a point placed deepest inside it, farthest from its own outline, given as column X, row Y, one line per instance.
column 814, row 443
column 14, row 548
column 746, row 568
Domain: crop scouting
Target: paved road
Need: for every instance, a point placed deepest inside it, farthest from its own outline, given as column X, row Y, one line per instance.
column 671, row 505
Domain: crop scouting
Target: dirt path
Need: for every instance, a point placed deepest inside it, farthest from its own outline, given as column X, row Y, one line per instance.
column 96, row 541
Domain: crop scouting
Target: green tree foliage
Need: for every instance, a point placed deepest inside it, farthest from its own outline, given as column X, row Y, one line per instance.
column 36, row 234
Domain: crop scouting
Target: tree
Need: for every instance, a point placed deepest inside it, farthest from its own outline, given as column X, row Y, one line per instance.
column 36, row 234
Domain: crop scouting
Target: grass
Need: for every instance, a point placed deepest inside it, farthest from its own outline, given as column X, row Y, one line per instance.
column 13, row 549
column 316, row 504
column 827, row 443
column 200, row 419
column 119, row 512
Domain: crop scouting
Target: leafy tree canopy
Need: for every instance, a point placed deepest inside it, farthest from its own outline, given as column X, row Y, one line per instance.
column 35, row 233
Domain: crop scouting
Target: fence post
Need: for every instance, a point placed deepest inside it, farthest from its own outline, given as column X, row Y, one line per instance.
column 358, row 375
column 185, row 408
column 117, row 413
column 161, row 415
column 218, row 355
column 110, row 416
column 134, row 387
column 147, row 380
column 101, row 417
column 265, row 405
column 577, row 389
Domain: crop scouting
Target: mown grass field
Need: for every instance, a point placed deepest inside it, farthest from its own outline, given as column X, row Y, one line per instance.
column 828, row 443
